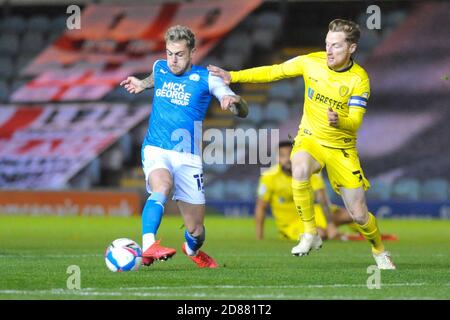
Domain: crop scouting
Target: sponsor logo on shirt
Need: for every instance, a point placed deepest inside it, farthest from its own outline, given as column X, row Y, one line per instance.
column 175, row 92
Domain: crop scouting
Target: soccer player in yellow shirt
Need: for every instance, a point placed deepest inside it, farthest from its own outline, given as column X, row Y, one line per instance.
column 336, row 94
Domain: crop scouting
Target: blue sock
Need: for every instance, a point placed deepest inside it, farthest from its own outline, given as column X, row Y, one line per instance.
column 194, row 242
column 152, row 213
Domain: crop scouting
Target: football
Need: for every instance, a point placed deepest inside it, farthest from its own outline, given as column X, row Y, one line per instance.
column 123, row 255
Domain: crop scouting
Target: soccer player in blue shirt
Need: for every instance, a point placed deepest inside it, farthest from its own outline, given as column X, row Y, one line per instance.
column 171, row 151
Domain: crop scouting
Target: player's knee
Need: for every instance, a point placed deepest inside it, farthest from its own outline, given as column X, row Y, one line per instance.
column 301, row 173
column 359, row 213
column 162, row 188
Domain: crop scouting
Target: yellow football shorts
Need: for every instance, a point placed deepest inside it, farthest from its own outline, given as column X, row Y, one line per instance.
column 343, row 167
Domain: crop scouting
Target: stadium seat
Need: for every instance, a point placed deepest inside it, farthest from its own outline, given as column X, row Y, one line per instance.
column 23, row 60
column 82, row 180
column 32, row 42
column 126, row 146
column 9, row 44
column 282, row 90
column 215, row 167
column 233, row 60
column 112, row 159
column 394, row 18
column 13, row 24
column 255, row 113
column 6, row 68
column 4, row 91
column 238, row 189
column 406, row 189
column 270, row 20
column 138, row 133
column 17, row 83
column 369, row 39
column 435, row 189
column 144, row 97
column 121, row 94
column 39, row 24
column 238, row 42
column 93, row 170
column 277, row 110
column 263, row 38
column 213, row 60
column 215, row 191
column 58, row 23
column 379, row 190
column 53, row 36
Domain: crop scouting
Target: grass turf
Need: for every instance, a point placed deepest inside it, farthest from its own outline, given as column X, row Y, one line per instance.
column 35, row 253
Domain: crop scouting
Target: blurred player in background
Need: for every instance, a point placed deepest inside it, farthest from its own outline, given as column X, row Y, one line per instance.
column 275, row 191
column 172, row 147
column 336, row 93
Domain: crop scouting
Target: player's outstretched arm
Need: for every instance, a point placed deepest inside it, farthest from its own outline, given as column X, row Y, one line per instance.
column 236, row 104
column 288, row 69
column 260, row 215
column 134, row 85
column 221, row 73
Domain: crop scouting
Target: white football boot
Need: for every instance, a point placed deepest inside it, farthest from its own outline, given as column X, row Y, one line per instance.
column 307, row 242
column 384, row 261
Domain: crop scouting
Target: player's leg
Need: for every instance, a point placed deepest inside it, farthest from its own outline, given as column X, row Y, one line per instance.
column 355, row 203
column 195, row 234
column 306, row 159
column 347, row 179
column 159, row 184
column 190, row 196
column 321, row 222
column 303, row 166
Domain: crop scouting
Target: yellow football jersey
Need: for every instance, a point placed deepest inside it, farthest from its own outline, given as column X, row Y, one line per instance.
column 275, row 188
column 324, row 88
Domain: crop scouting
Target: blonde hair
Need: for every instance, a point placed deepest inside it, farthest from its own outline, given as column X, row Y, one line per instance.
column 350, row 28
column 178, row 33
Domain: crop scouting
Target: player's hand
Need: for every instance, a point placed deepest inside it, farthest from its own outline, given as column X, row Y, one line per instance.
column 228, row 102
column 332, row 231
column 333, row 117
column 221, row 73
column 133, row 85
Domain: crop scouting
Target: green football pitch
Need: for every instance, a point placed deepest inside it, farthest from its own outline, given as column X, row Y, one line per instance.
column 36, row 252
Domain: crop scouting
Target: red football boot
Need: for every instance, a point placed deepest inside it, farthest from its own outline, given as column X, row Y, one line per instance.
column 202, row 260
column 157, row 252
column 147, row 261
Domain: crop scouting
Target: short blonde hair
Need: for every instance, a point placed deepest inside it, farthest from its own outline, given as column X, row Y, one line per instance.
column 178, row 33
column 350, row 28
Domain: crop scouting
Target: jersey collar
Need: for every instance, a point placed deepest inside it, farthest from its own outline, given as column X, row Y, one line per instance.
column 345, row 69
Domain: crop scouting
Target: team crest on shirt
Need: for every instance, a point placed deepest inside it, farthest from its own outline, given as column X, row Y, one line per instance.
column 262, row 190
column 343, row 91
column 194, row 77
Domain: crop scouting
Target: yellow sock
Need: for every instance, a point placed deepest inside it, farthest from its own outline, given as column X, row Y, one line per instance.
column 355, row 227
column 371, row 232
column 304, row 202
